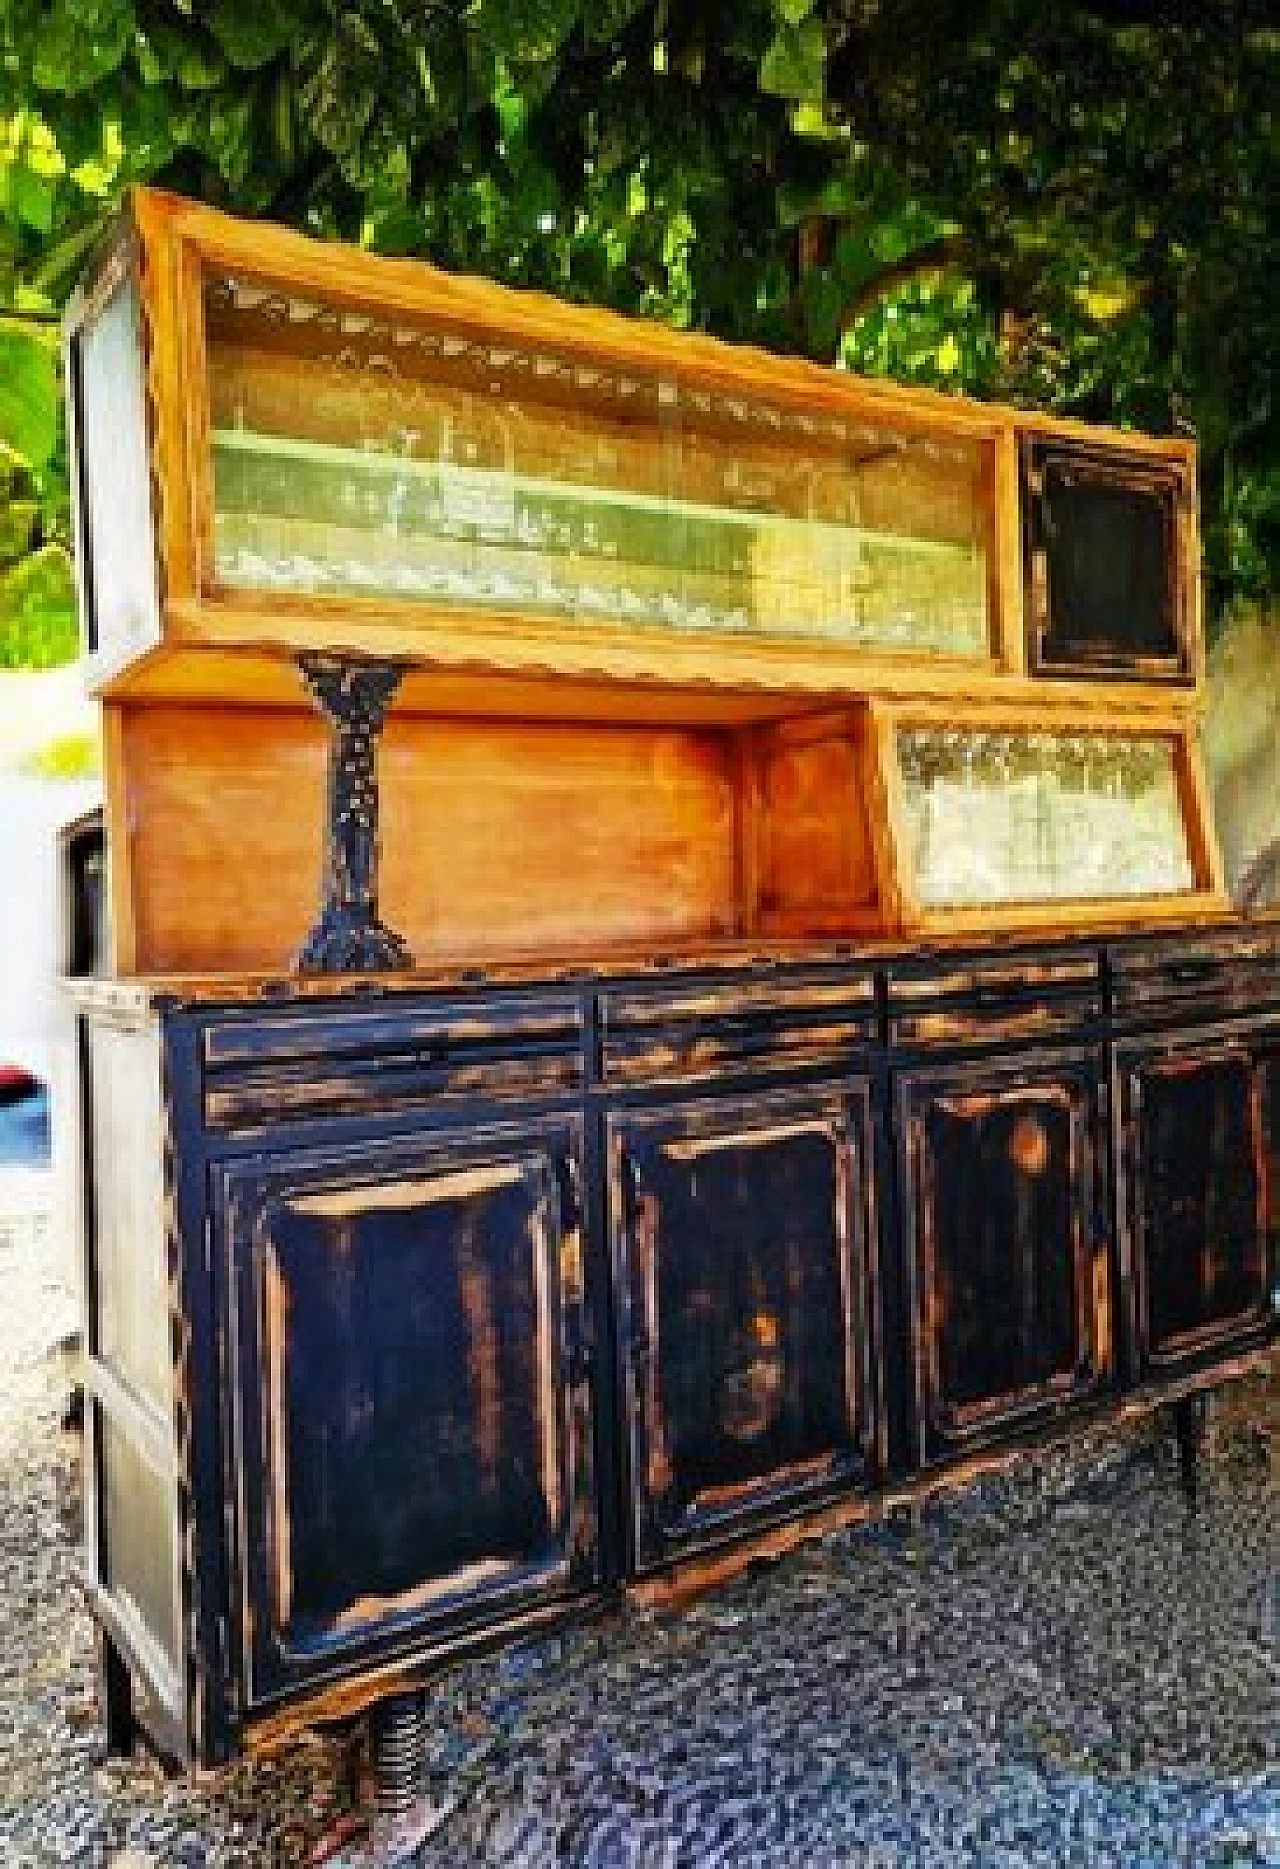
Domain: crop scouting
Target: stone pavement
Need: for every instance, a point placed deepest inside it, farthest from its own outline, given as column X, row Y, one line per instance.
column 1062, row 1665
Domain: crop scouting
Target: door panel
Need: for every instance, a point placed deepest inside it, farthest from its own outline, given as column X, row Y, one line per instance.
column 1010, row 1271
column 743, row 1243
column 411, row 1411
column 1197, row 1131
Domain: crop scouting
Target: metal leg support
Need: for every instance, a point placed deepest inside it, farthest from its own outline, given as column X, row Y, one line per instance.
column 1190, row 1420
column 115, row 1695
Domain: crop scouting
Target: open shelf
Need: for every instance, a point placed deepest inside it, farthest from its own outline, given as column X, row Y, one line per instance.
column 503, row 838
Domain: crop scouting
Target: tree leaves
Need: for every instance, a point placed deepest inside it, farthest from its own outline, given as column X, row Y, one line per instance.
column 28, row 397
column 1068, row 206
column 794, row 65
column 81, row 42
column 38, row 610
column 252, row 33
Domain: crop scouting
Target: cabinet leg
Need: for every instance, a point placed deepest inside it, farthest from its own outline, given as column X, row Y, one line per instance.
column 1190, row 1419
column 115, row 1694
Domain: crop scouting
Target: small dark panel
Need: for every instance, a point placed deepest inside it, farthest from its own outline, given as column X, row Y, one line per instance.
column 746, row 1316
column 1203, row 1245
column 1013, row 1285
column 413, row 1438
column 999, row 1226
column 1104, row 573
column 411, row 1392
column 84, row 865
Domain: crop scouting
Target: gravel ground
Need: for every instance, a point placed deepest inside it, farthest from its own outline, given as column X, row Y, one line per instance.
column 1059, row 1666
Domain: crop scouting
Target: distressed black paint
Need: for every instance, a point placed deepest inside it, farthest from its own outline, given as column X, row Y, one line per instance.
column 738, row 1133
column 1002, row 1215
column 349, row 937
column 1200, row 1170
column 411, row 1391
column 747, row 1343
column 1105, row 581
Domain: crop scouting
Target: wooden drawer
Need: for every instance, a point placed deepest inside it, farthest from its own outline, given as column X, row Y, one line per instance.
column 691, row 1034
column 308, row 1064
column 1205, row 975
column 981, row 999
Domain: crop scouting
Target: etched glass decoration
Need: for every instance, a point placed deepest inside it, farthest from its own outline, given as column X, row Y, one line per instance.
column 1032, row 817
column 361, row 455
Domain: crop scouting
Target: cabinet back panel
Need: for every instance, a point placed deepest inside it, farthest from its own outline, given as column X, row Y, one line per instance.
column 496, row 838
column 816, row 868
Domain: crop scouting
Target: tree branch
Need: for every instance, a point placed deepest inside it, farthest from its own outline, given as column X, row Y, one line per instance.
column 947, row 250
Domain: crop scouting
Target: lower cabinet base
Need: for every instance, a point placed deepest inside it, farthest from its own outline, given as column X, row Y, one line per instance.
column 423, row 1320
column 351, row 1700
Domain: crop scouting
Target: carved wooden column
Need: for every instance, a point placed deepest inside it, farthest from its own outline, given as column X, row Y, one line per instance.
column 349, row 937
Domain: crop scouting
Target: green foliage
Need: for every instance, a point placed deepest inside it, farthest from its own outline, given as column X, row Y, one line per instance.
column 28, row 396
column 37, row 610
column 37, row 589
column 70, row 756
column 1073, row 206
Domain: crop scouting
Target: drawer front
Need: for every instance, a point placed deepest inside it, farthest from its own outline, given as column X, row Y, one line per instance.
column 1026, row 994
column 1206, row 976
column 312, row 1063
column 1197, row 1154
column 688, row 1035
column 1010, row 1269
column 744, row 1261
column 410, row 1442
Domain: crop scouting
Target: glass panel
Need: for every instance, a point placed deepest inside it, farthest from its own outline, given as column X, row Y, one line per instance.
column 111, row 446
column 358, row 455
column 138, row 1522
column 1031, row 817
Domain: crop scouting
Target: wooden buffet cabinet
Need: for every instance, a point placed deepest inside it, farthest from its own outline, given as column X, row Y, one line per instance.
column 670, row 972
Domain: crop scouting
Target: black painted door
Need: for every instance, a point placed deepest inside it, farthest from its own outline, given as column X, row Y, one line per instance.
column 1010, row 1270
column 410, row 1424
column 1198, row 1164
column 743, row 1239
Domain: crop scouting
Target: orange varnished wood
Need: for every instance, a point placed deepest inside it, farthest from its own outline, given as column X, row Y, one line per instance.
column 353, row 277
column 1006, row 558
column 496, row 839
column 242, row 650
column 817, row 872
column 555, row 786
column 181, row 243
column 122, row 933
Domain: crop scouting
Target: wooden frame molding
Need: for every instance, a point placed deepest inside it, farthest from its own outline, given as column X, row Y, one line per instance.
column 1209, row 896
column 178, row 243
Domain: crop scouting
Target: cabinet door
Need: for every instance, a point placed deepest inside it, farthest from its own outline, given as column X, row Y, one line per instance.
column 1010, row 1271
column 743, row 1254
column 411, row 1424
column 1197, row 1155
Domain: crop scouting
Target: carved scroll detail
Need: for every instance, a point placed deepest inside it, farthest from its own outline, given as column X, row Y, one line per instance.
column 349, row 936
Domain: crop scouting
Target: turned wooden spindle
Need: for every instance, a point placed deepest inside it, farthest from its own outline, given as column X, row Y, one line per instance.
column 349, row 937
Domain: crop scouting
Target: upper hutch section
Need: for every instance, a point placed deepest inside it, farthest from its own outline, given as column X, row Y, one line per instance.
column 283, row 442
column 678, row 644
